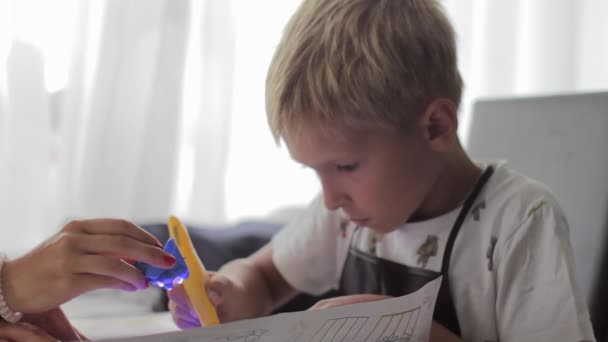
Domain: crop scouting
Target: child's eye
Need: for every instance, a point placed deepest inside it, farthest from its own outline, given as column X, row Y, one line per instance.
column 347, row 167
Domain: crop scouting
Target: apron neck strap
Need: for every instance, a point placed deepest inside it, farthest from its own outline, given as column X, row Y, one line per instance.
column 466, row 207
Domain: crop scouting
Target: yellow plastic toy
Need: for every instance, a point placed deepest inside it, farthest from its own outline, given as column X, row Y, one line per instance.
column 195, row 284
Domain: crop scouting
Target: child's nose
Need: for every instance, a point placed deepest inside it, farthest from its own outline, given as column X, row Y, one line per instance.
column 333, row 199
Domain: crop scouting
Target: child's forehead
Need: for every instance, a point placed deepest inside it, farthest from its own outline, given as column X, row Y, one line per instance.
column 314, row 145
column 327, row 135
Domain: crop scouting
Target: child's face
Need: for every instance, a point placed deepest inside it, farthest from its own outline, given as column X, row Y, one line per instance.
column 380, row 180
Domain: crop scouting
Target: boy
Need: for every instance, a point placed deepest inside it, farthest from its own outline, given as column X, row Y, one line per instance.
column 366, row 93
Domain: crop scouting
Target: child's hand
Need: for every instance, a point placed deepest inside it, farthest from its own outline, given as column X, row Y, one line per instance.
column 83, row 256
column 441, row 334
column 345, row 300
column 230, row 298
column 181, row 308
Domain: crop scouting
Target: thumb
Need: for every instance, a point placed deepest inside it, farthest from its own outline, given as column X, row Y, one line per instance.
column 217, row 286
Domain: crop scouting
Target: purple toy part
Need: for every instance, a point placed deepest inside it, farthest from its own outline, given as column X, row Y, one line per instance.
column 166, row 278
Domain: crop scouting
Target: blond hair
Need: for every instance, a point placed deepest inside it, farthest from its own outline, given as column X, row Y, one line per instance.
column 361, row 63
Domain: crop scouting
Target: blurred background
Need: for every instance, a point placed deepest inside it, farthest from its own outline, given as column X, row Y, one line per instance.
column 143, row 108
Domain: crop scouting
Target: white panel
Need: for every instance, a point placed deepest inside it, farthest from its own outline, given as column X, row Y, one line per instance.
column 562, row 142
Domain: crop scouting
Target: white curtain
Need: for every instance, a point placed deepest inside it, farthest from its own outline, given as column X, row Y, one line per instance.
column 143, row 108
column 25, row 134
column 105, row 142
column 529, row 47
column 119, row 123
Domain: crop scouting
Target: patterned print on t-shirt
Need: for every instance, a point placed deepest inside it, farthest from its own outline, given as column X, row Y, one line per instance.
column 427, row 250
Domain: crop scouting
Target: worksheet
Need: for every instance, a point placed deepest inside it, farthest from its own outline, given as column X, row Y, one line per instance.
column 401, row 319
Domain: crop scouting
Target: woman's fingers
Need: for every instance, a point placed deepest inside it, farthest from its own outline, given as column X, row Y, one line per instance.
column 124, row 247
column 55, row 323
column 92, row 264
column 112, row 227
column 117, row 238
column 23, row 332
column 91, row 282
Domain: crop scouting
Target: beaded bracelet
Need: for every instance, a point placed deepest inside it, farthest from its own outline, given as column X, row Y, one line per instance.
column 5, row 312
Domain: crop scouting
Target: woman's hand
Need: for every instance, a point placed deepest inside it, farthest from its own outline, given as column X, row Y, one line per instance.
column 23, row 332
column 345, row 300
column 52, row 325
column 83, row 256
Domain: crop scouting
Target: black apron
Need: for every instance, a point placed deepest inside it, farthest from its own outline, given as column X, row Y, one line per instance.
column 365, row 273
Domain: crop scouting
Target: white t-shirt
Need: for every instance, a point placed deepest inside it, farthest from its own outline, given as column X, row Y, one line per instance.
column 511, row 274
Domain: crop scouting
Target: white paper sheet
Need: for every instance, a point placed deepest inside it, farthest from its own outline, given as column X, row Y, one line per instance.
column 401, row 319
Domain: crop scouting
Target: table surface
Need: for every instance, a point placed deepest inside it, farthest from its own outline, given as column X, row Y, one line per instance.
column 125, row 326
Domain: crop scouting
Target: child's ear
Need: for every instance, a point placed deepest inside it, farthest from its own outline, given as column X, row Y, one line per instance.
column 440, row 124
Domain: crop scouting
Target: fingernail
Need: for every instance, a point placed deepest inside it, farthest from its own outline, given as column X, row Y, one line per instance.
column 214, row 297
column 169, row 259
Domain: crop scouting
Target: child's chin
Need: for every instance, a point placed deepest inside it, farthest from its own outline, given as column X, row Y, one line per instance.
column 378, row 228
column 383, row 228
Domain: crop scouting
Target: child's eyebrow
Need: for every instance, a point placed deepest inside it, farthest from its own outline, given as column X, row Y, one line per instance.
column 345, row 159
